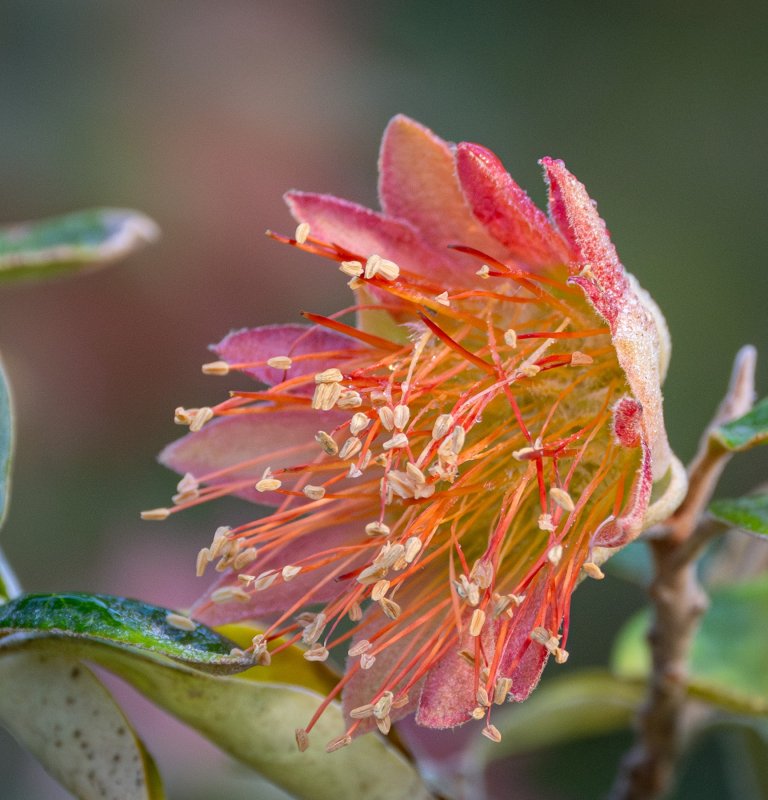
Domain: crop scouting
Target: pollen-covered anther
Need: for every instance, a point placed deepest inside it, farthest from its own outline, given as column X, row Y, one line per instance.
column 545, row 523
column 349, row 398
column 477, row 622
column 187, row 486
column 156, row 514
column 358, row 423
column 338, row 743
column 413, row 547
column 544, row 637
column 383, row 725
column 377, row 529
column 352, row 268
column 561, row 656
column 579, row 359
column 219, row 368
column 492, row 732
column 592, row 570
column 314, row 492
column 327, row 443
column 442, row 425
column 355, row 612
column 525, row 454
column 245, row 557
column 302, row 232
column 401, row 416
column 478, row 712
column 331, row 375
column 226, row 594
column 555, row 554
column 372, row 266
column 482, row 697
column 203, row 560
column 529, row 370
column 367, row 661
column 264, row 580
column 390, row 608
column 289, row 572
column 313, row 630
column 316, row 653
column 397, row 442
column 268, row 485
column 501, row 690
column 387, row 417
column 326, row 396
column 180, row 622
column 302, row 739
column 380, row 588
column 561, row 498
column 415, row 474
column 350, row 448
column 362, row 712
column 388, row 270
column 467, row 590
column 443, row 299
column 200, row 417
column 358, row 648
column 510, row 338
column 484, row 272
column 280, row 362
column 383, row 705
column 482, row 573
column 181, row 416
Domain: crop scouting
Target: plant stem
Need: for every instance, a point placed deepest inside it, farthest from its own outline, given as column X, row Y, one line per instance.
column 678, row 602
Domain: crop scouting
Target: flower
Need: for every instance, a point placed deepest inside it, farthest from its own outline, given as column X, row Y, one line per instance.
column 443, row 473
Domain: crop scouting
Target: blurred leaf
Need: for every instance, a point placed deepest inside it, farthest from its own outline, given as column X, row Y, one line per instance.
column 729, row 654
column 9, row 585
column 58, row 709
column 255, row 722
column 119, row 622
column 291, row 667
column 84, row 239
column 588, row 703
column 747, row 431
column 748, row 513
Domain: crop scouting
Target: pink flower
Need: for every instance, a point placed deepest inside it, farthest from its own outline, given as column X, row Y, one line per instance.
column 444, row 473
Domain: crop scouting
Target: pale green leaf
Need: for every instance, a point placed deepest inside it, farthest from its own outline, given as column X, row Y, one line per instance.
column 70, row 243
column 728, row 656
column 255, row 722
column 747, row 431
column 749, row 513
column 58, row 710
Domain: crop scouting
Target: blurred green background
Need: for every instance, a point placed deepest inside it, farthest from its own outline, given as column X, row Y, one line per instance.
column 201, row 114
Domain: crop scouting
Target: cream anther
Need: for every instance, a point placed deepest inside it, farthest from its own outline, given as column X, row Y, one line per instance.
column 302, row 232
column 280, row 362
column 215, row 368
column 562, row 499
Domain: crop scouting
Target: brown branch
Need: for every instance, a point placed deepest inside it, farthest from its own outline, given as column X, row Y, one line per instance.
column 678, row 602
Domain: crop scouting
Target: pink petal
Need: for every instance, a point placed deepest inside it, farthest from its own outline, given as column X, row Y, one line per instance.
column 636, row 325
column 281, row 595
column 247, row 444
column 417, row 183
column 365, row 233
column 259, row 344
column 365, row 684
column 505, row 210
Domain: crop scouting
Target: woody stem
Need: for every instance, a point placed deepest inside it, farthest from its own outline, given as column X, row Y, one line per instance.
column 677, row 604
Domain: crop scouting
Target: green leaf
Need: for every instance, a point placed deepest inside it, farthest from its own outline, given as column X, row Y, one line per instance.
column 728, row 655
column 70, row 243
column 58, row 710
column 255, row 722
column 118, row 622
column 745, row 432
column 9, row 585
column 748, row 513
column 587, row 703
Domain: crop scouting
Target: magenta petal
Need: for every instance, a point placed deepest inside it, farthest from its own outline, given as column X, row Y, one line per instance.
column 245, row 445
column 365, row 233
column 259, row 344
column 505, row 210
column 417, row 183
column 281, row 595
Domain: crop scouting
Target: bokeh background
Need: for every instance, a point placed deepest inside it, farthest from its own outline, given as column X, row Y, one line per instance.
column 202, row 113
